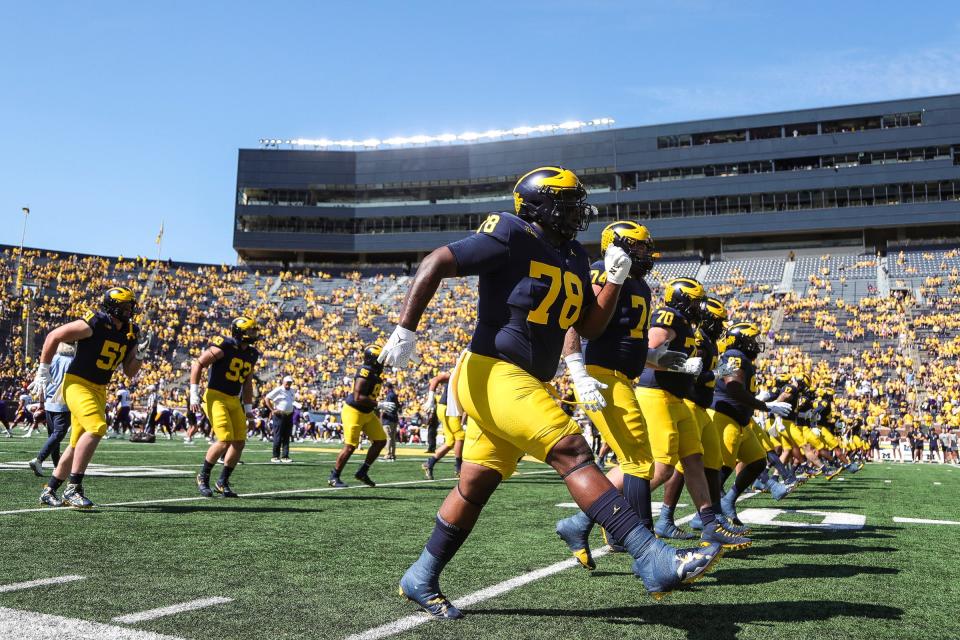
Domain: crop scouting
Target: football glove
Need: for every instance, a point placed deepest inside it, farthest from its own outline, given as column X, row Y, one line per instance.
column 617, row 264
column 692, row 366
column 40, row 381
column 781, row 409
column 587, row 387
column 388, row 407
column 400, row 348
column 430, row 403
column 725, row 369
column 669, row 360
column 195, row 397
column 143, row 346
column 763, row 396
column 816, row 431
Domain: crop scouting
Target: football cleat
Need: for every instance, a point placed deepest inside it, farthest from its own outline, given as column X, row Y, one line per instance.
column 428, row 597
column 223, row 487
column 664, row 568
column 286, row 461
column 427, row 471
column 578, row 542
column 335, row 481
column 853, row 467
column 779, row 490
column 73, row 496
column 274, row 460
column 203, row 485
column 728, row 506
column 365, row 479
column 834, row 472
column 49, row 498
column 37, row 467
column 696, row 524
column 716, row 533
column 736, row 529
column 667, row 529
column 610, row 542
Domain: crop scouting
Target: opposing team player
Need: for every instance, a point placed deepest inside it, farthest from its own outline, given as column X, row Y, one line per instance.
column 453, row 433
column 359, row 415
column 228, row 399
column 534, row 285
column 674, row 433
column 105, row 339
column 603, row 374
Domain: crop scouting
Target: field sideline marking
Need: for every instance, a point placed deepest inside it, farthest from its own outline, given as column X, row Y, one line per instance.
column 17, row 586
column 28, row 625
column 151, row 614
column 409, row 622
column 250, row 495
column 924, row 521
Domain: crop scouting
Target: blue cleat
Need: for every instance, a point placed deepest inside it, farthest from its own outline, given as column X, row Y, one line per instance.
column 664, row 569
column 834, row 472
column 577, row 539
column 335, row 481
column 735, row 529
column 615, row 547
column 203, row 486
column 853, row 467
column 728, row 506
column 365, row 479
column 667, row 529
column 223, row 487
column 73, row 497
column 779, row 490
column 696, row 524
column 426, row 595
column 716, row 533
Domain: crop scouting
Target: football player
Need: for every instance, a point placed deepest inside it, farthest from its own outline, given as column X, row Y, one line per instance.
column 674, row 432
column 359, row 415
column 603, row 374
column 732, row 410
column 227, row 401
column 453, row 432
column 534, row 285
column 106, row 339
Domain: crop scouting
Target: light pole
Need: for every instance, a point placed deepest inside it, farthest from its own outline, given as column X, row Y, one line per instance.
column 23, row 235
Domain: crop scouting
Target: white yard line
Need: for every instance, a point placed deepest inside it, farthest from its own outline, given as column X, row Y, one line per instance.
column 28, row 625
column 249, row 495
column 924, row 521
column 150, row 614
column 42, row 582
column 409, row 622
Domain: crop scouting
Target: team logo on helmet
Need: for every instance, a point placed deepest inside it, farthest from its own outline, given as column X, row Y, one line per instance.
column 633, row 238
column 713, row 317
column 119, row 302
column 742, row 336
column 684, row 295
column 371, row 356
column 245, row 329
column 553, row 197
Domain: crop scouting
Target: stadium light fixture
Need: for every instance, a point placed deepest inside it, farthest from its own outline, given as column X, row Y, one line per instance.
column 446, row 138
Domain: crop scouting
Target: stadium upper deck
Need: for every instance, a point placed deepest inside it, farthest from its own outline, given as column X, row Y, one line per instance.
column 859, row 174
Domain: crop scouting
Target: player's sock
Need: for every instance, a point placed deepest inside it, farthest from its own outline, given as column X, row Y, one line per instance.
column 225, row 474
column 637, row 492
column 774, row 460
column 364, row 468
column 725, row 473
column 431, row 461
column 54, row 483
column 444, row 542
column 457, row 464
column 612, row 512
column 207, row 468
column 76, row 478
column 707, row 515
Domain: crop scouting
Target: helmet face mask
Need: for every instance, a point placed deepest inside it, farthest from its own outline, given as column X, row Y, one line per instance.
column 554, row 198
column 713, row 315
column 245, row 330
column 635, row 240
column 685, row 295
column 120, row 303
column 744, row 337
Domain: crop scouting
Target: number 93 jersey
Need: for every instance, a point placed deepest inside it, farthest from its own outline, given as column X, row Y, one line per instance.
column 228, row 374
column 623, row 344
column 99, row 355
column 530, row 292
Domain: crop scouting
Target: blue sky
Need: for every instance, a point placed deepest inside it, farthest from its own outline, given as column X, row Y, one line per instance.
column 117, row 115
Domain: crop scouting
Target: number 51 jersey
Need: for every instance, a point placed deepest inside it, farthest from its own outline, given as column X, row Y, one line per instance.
column 99, row 355
column 530, row 292
column 228, row 374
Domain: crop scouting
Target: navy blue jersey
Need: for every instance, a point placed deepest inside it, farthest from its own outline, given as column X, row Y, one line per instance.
column 443, row 393
column 804, row 405
column 824, row 410
column 228, row 374
column 530, row 292
column 702, row 390
column 99, row 355
column 370, row 382
column 679, row 384
column 722, row 401
column 623, row 345
column 391, row 415
column 783, row 384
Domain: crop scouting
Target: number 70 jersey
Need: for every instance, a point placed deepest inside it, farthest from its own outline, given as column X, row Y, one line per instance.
column 530, row 292
column 228, row 374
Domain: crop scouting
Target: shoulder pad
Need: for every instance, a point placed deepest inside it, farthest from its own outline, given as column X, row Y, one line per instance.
column 501, row 225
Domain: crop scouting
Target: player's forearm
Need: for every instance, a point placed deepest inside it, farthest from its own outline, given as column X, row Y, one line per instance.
column 571, row 342
column 131, row 367
column 50, row 344
column 739, row 393
column 195, row 370
column 435, row 267
column 247, row 392
column 595, row 320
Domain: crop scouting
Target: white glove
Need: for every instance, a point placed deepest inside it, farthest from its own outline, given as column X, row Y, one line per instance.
column 763, row 396
column 617, row 264
column 816, row 431
column 143, row 346
column 388, row 407
column 40, row 381
column 725, row 369
column 400, row 348
column 669, row 360
column 429, row 404
column 587, row 388
column 781, row 409
column 693, row 366
column 195, row 397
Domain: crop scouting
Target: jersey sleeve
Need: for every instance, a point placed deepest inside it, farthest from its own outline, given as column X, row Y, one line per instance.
column 92, row 318
column 663, row 318
column 733, row 358
column 486, row 250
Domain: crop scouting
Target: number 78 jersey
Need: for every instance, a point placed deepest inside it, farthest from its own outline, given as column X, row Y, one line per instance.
column 530, row 292
column 228, row 374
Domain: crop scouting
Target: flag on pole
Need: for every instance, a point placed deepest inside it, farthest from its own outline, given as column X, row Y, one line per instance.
column 160, row 235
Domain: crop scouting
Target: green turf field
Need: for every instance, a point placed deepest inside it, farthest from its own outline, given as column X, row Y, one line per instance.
column 299, row 561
